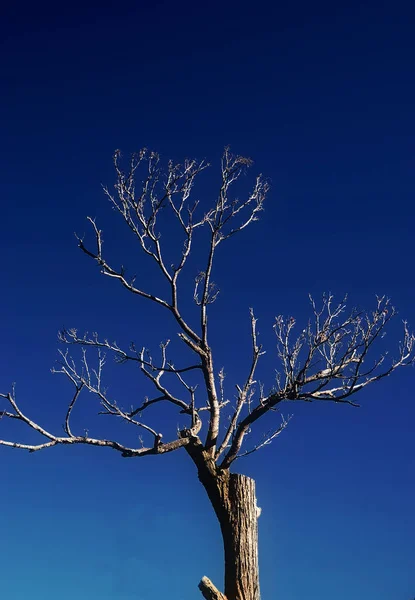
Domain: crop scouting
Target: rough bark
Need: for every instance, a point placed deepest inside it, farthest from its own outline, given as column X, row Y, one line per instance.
column 240, row 539
column 209, row 591
column 234, row 501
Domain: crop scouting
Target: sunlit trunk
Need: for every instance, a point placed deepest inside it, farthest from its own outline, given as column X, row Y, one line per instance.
column 240, row 540
column 233, row 499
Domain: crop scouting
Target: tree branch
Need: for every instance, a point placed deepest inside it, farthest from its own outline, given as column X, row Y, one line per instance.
column 332, row 349
column 53, row 440
column 106, row 269
column 329, row 361
column 209, row 591
column 70, row 336
column 244, row 393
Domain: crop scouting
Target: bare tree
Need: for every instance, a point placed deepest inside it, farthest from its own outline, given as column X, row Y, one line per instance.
column 329, row 360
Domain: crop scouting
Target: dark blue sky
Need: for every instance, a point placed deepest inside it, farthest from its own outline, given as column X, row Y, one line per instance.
column 321, row 96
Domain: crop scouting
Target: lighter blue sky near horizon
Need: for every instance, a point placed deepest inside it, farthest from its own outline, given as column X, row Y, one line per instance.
column 321, row 96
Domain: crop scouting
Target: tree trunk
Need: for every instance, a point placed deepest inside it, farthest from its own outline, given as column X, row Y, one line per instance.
column 233, row 499
column 240, row 539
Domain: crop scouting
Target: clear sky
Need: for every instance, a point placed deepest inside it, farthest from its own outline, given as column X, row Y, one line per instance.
column 321, row 95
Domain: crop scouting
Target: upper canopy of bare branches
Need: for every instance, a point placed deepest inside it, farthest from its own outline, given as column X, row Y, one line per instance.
column 330, row 359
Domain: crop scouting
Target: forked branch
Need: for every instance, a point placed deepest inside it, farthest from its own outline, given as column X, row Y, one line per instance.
column 331, row 360
column 90, row 379
column 54, row 440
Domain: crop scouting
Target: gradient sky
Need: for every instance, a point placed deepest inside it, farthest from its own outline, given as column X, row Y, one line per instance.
column 322, row 97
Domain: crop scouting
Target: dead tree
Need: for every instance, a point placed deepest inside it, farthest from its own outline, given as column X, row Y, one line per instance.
column 329, row 360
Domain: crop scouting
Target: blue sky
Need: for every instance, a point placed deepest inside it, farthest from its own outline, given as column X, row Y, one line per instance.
column 321, row 96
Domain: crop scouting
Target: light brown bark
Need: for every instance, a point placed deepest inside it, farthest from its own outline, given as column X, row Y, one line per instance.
column 234, row 501
column 209, row 591
column 240, row 539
